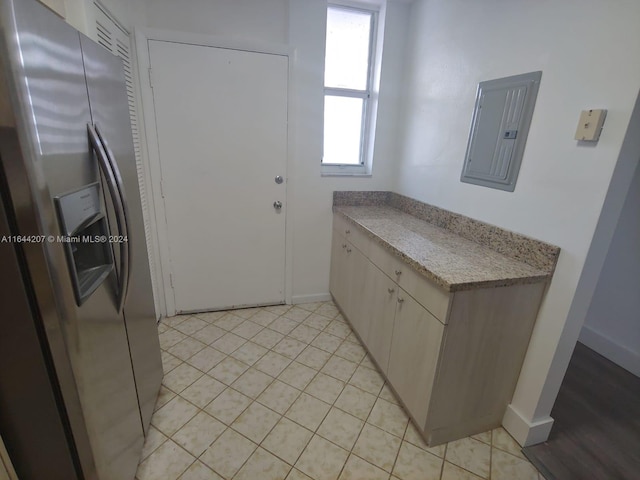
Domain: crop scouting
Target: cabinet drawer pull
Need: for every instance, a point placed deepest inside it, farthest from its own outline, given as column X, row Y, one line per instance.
column 398, row 272
column 348, row 250
column 391, row 290
column 400, row 299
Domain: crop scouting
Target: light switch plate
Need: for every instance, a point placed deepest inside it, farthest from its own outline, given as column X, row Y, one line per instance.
column 590, row 125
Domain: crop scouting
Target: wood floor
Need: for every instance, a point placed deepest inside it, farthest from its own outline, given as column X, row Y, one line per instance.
column 596, row 433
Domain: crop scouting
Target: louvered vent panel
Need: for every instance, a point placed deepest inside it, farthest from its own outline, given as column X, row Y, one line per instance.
column 116, row 39
column 104, row 35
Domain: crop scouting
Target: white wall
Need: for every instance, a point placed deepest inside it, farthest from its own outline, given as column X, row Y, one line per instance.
column 130, row 13
column 264, row 20
column 80, row 14
column 612, row 324
column 301, row 25
column 311, row 199
column 453, row 45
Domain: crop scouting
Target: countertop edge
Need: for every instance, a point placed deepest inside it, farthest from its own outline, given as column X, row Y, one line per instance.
column 422, row 270
column 538, row 254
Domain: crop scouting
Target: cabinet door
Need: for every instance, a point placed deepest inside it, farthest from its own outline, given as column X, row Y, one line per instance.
column 415, row 346
column 379, row 304
column 356, row 265
column 346, row 281
column 337, row 284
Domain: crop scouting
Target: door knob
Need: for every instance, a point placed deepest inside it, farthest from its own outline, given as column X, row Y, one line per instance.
column 279, row 179
column 277, row 204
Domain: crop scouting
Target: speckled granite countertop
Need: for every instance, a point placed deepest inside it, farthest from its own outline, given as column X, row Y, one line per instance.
column 450, row 260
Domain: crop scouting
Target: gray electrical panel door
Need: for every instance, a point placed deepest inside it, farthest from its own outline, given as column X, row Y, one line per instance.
column 499, row 129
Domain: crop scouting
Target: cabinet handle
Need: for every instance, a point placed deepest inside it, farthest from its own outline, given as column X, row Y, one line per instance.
column 400, row 299
column 348, row 250
column 347, row 231
column 344, row 245
column 391, row 290
column 398, row 272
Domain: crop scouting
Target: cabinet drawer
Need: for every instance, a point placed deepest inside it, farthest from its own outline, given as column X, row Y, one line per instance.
column 353, row 234
column 426, row 292
column 385, row 261
column 339, row 224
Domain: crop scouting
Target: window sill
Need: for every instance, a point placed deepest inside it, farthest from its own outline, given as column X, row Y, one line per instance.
column 345, row 174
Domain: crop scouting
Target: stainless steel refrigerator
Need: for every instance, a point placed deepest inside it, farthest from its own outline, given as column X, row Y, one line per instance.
column 80, row 363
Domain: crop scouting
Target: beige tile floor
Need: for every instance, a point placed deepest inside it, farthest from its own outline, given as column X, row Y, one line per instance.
column 289, row 393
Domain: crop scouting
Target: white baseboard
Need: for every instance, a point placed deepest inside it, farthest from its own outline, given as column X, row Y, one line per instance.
column 526, row 433
column 618, row 354
column 316, row 297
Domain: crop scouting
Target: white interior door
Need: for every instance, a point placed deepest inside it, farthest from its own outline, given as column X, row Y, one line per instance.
column 221, row 118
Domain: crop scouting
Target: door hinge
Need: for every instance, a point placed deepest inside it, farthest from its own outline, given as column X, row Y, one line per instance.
column 150, row 78
column 171, row 280
column 161, row 188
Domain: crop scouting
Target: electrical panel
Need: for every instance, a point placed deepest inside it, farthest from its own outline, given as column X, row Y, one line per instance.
column 499, row 129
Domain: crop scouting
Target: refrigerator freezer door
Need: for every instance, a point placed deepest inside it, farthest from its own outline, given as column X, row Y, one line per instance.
column 110, row 113
column 30, row 410
column 52, row 112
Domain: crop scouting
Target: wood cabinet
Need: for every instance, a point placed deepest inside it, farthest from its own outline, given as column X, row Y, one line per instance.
column 415, row 346
column 348, row 268
column 452, row 358
column 380, row 298
column 338, row 280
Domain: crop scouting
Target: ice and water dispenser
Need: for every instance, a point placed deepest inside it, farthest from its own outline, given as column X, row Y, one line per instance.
column 85, row 235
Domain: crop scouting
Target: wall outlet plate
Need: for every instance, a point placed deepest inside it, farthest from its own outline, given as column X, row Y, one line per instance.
column 590, row 125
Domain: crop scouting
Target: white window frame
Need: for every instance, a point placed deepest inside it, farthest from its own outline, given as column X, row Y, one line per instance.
column 369, row 105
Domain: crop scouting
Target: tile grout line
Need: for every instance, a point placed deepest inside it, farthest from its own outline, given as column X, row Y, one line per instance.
column 332, row 354
column 395, row 461
column 374, row 404
column 491, row 456
column 364, row 423
column 332, row 405
column 444, row 460
column 292, row 466
column 253, row 365
column 253, row 400
column 402, row 439
column 318, row 370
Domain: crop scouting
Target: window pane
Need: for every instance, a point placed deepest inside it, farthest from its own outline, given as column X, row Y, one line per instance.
column 347, row 54
column 342, row 130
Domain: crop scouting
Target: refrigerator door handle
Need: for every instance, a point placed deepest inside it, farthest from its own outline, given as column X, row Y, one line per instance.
column 116, row 191
column 125, row 241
